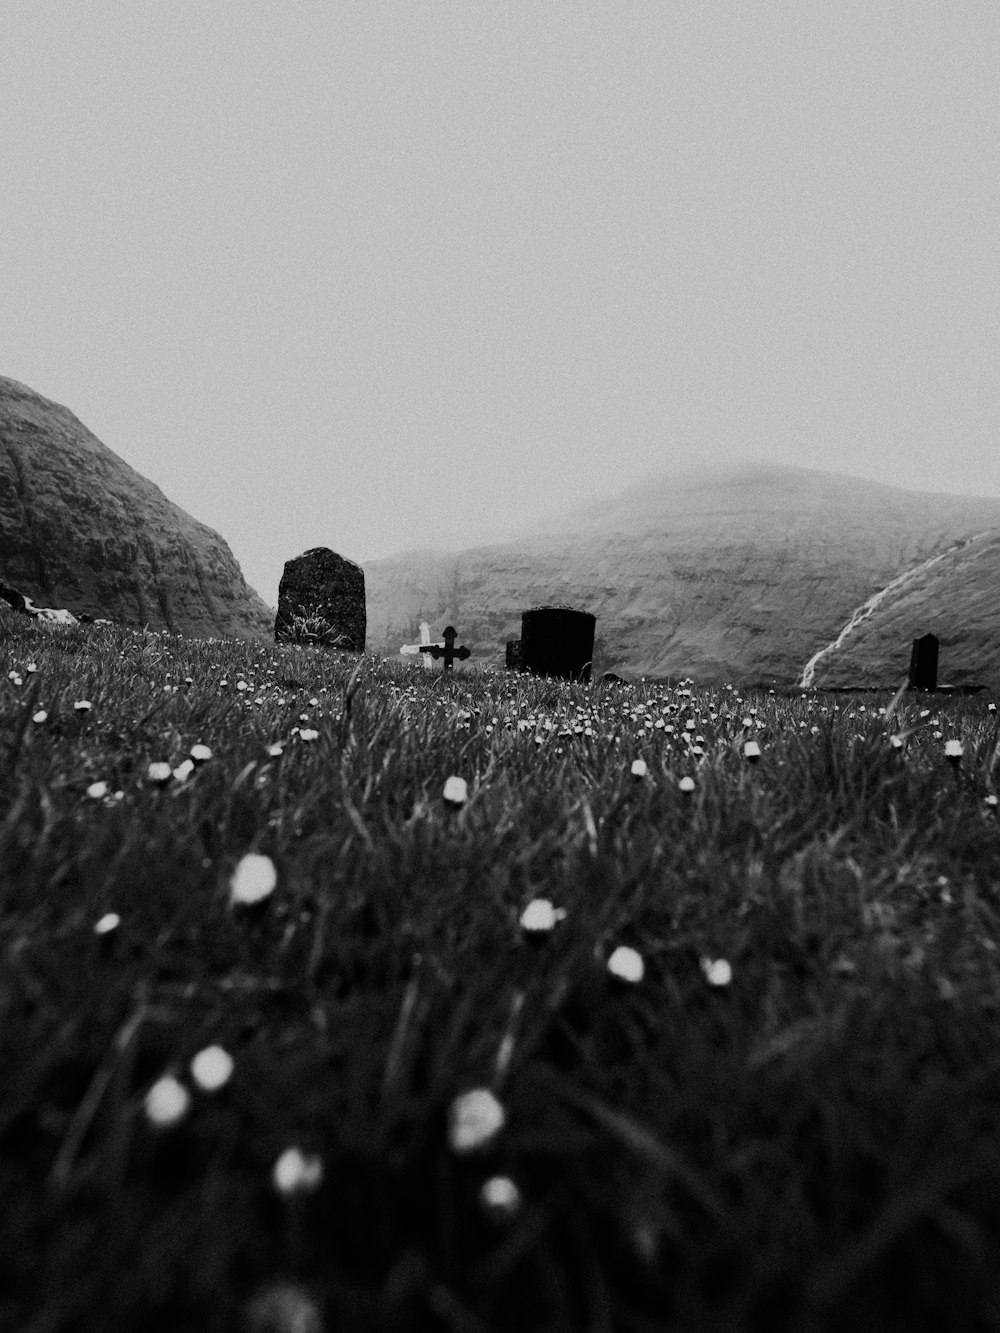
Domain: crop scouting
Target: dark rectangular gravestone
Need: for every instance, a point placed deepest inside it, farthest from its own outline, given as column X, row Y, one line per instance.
column 558, row 641
column 513, row 660
column 924, row 663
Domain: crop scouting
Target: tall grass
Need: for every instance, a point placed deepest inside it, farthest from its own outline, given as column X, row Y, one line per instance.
column 814, row 1145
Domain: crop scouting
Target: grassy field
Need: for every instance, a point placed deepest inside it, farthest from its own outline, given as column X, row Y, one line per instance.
column 791, row 1120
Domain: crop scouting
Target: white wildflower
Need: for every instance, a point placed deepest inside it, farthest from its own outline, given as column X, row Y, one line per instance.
column 253, row 880
column 456, row 791
column 474, row 1118
column 540, row 916
column 500, row 1197
column 108, row 923
column 640, row 768
column 717, row 971
column 212, row 1068
column 626, row 964
column 97, row 790
column 282, row 1308
column 167, row 1102
column 296, row 1172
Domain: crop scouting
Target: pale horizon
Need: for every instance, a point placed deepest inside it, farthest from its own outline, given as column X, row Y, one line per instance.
column 397, row 277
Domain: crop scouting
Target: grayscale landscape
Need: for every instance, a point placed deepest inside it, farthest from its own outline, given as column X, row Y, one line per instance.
column 740, row 575
column 499, row 667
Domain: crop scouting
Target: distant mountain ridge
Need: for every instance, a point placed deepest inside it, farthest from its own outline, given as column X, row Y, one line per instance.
column 739, row 574
column 81, row 529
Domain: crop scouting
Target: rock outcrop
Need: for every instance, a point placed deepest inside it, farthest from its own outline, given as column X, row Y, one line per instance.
column 48, row 615
column 81, row 529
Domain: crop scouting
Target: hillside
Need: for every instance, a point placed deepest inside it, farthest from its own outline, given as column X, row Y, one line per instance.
column 958, row 600
column 737, row 575
column 81, row 529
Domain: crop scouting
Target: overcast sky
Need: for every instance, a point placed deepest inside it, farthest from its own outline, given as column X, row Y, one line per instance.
column 391, row 274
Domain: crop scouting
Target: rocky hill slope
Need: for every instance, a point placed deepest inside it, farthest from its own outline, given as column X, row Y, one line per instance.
column 81, row 529
column 735, row 575
column 957, row 598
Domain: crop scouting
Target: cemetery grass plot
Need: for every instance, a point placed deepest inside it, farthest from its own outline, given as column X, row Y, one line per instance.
column 350, row 995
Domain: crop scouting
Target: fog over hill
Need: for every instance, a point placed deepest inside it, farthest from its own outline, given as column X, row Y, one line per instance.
column 724, row 574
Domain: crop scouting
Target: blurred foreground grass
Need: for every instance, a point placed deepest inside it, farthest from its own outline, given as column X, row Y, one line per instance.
column 807, row 1139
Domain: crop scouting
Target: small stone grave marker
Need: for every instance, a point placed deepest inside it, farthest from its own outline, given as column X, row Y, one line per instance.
column 448, row 651
column 924, row 663
column 414, row 649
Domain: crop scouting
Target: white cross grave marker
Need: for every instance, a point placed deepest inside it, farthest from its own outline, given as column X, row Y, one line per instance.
column 413, row 649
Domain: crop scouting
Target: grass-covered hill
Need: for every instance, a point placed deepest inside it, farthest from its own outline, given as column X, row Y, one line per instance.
column 957, row 598
column 740, row 575
column 337, row 995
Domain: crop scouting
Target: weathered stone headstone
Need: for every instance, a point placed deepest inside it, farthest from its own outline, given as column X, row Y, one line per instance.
column 924, row 663
column 321, row 600
column 513, row 660
column 558, row 641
